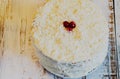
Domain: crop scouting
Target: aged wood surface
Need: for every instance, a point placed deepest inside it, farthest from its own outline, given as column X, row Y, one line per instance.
column 117, row 16
column 18, row 60
column 17, row 55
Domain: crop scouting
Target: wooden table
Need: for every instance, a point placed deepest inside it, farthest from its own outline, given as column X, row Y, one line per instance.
column 17, row 56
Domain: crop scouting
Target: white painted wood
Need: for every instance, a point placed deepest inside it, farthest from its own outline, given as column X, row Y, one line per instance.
column 18, row 59
column 117, row 12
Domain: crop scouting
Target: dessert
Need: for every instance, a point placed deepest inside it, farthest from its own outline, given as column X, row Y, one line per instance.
column 71, row 31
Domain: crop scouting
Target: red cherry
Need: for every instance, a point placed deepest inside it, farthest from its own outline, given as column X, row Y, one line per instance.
column 69, row 29
column 72, row 24
column 69, row 26
column 66, row 24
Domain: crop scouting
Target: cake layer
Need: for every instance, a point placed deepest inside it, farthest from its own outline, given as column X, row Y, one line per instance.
column 86, row 40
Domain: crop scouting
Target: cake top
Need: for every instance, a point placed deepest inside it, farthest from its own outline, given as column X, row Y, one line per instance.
column 70, row 30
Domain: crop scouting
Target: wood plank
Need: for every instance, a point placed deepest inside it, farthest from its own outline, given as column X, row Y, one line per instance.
column 19, row 60
column 117, row 16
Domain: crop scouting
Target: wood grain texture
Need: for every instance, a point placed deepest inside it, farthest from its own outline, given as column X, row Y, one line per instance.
column 18, row 60
column 17, row 55
column 117, row 16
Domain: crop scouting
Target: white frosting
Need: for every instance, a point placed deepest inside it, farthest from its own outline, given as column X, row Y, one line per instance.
column 89, row 38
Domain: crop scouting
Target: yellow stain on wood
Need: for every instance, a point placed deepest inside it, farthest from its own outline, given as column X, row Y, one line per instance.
column 16, row 17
